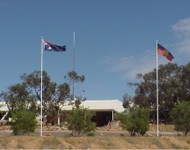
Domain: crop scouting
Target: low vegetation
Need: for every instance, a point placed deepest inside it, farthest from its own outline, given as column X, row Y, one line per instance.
column 79, row 120
column 23, row 122
column 136, row 122
column 181, row 117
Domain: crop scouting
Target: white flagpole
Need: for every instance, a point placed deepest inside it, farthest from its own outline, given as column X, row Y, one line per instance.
column 157, row 90
column 41, row 96
column 73, row 50
column 73, row 63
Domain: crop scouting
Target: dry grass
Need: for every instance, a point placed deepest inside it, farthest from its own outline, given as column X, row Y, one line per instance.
column 99, row 141
column 96, row 142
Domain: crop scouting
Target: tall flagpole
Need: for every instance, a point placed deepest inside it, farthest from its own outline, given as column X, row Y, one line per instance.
column 41, row 96
column 73, row 63
column 157, row 90
column 73, row 50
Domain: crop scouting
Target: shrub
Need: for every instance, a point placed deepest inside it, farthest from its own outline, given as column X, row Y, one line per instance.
column 181, row 117
column 23, row 122
column 136, row 121
column 79, row 121
column 90, row 133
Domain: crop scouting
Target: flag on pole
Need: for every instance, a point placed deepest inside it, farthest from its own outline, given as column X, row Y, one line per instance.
column 53, row 47
column 164, row 52
column 47, row 46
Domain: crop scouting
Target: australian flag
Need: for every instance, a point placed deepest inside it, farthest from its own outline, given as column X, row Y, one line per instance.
column 53, row 47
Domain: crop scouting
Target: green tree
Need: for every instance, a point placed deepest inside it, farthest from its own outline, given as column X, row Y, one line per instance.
column 53, row 95
column 184, row 80
column 126, row 101
column 62, row 94
column 18, row 97
column 181, row 117
column 79, row 120
column 135, row 122
column 33, row 82
column 72, row 78
column 26, row 95
column 170, row 88
column 23, row 122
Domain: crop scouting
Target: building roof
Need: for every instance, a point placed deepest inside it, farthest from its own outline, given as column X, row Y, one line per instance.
column 96, row 105
column 103, row 105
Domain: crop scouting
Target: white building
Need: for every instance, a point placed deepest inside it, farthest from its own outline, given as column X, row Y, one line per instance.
column 104, row 109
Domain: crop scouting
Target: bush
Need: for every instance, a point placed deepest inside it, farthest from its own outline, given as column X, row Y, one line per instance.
column 79, row 121
column 90, row 133
column 136, row 121
column 23, row 122
column 181, row 117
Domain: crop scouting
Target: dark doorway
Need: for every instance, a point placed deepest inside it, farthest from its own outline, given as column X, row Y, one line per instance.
column 102, row 118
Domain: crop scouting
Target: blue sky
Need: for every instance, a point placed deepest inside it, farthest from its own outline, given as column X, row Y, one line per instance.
column 115, row 40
